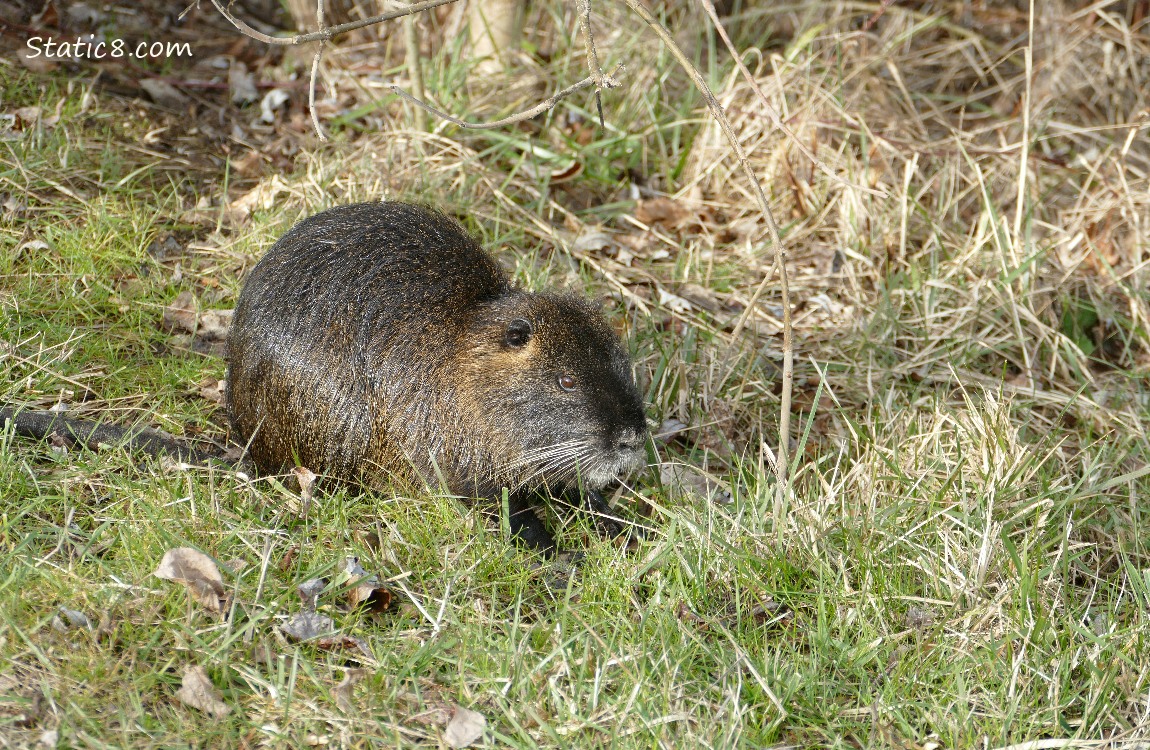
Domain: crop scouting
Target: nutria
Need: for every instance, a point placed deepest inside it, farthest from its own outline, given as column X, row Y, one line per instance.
column 379, row 341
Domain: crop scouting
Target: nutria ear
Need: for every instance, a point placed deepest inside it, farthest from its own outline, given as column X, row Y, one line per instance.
column 518, row 333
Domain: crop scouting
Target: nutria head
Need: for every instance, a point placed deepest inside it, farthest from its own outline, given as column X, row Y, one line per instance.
column 550, row 375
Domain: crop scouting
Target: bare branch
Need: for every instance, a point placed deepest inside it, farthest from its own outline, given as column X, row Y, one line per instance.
column 330, row 32
column 311, row 91
column 321, row 23
column 602, row 81
column 535, row 111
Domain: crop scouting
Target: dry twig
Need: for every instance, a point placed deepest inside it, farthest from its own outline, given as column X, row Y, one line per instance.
column 535, row 111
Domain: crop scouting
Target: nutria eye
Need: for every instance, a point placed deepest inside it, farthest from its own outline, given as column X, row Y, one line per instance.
column 518, row 333
column 566, row 382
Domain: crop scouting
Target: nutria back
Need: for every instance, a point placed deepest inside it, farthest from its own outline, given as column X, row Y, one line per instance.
column 379, row 341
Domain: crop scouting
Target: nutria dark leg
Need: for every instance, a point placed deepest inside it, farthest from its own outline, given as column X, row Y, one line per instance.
column 526, row 526
column 593, row 503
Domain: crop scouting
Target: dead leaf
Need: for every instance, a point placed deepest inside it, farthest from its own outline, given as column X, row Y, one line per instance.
column 35, row 60
column 694, row 481
column 289, row 557
column 272, row 101
column 199, row 693
column 306, row 479
column 673, row 302
column 590, row 241
column 213, row 389
column 241, row 84
column 208, row 325
column 669, row 430
column 343, row 691
column 700, row 297
column 70, row 618
column 466, row 726
column 199, row 574
column 33, row 246
column 307, row 625
column 665, row 211
column 261, row 197
column 342, row 642
column 310, row 590
column 81, row 14
column 365, row 590
column 164, row 93
column 26, row 117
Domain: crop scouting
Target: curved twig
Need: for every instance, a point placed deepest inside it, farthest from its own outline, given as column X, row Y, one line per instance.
column 602, row 80
column 535, row 111
column 322, row 24
column 330, row 32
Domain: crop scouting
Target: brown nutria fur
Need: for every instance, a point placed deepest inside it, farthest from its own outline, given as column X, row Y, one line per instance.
column 378, row 341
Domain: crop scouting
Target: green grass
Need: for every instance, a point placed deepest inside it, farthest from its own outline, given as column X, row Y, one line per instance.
column 964, row 557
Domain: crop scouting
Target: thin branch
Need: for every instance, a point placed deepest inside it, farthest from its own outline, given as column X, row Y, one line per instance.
column 322, row 23
column 535, row 111
column 782, row 466
column 311, row 92
column 602, row 81
column 330, row 32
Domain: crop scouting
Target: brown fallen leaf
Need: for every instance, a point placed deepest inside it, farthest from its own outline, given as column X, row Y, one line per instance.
column 199, row 574
column 665, row 211
column 306, row 478
column 466, row 726
column 35, row 60
column 164, row 93
column 261, row 197
column 27, row 116
column 310, row 590
column 289, row 557
column 343, row 691
column 307, row 625
column 241, row 84
column 207, row 325
column 691, row 480
column 341, row 642
column 669, row 430
column 213, row 389
column 199, row 693
column 363, row 589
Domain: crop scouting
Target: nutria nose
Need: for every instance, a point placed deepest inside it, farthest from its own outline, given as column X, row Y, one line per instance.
column 630, row 441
